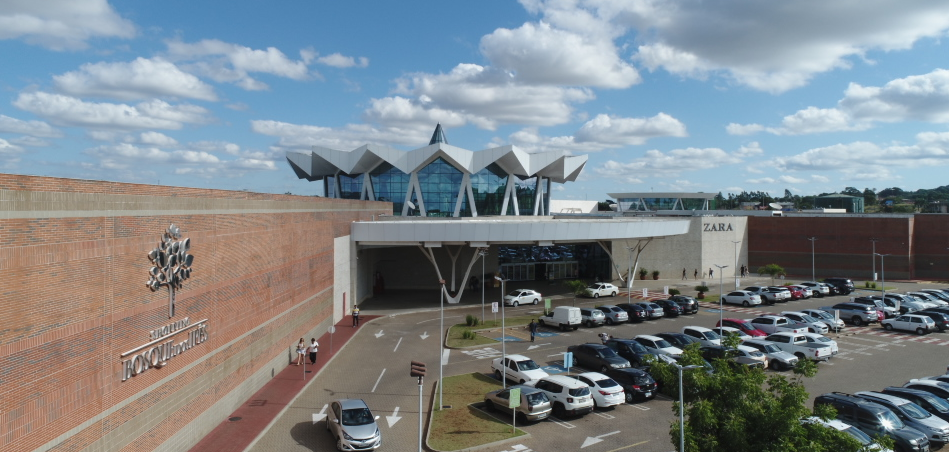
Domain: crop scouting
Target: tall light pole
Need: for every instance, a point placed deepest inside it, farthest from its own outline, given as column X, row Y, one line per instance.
column 873, row 259
column 682, row 405
column 721, row 293
column 629, row 274
column 503, row 337
column 483, row 252
column 441, row 349
column 812, row 239
column 735, row 268
column 882, row 274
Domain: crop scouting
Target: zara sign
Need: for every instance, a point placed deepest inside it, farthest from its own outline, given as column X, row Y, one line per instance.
column 716, row 227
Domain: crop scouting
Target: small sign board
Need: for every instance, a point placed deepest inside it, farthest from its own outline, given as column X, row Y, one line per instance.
column 515, row 400
column 665, row 290
column 568, row 359
column 546, row 304
column 494, row 307
column 332, row 329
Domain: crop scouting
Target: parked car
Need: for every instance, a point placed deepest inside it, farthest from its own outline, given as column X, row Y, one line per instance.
column 912, row 415
column 597, row 356
column 813, row 325
column 688, row 304
column 516, row 368
column 678, row 340
column 778, row 359
column 637, row 384
column 522, row 296
column 563, row 317
column 796, row 293
column 814, row 338
column 634, row 352
column 534, row 405
column 353, row 426
column 911, row 322
column 600, row 289
column 743, row 355
column 806, row 292
column 782, row 293
column 929, row 298
column 941, row 319
column 856, row 313
column 669, row 308
column 818, row 289
column 843, row 285
column 888, row 311
column 827, row 318
column 614, row 314
column 653, row 311
column 942, row 295
column 932, row 403
column 874, row 419
column 592, row 317
column 742, row 324
column 634, row 312
column 797, row 345
column 936, row 387
column 704, row 335
column 606, row 391
column 567, row 395
column 775, row 323
column 742, row 297
column 767, row 296
column 836, row 424
column 724, row 331
column 658, row 345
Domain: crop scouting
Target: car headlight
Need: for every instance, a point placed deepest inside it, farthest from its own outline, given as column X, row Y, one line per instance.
column 914, row 441
column 348, row 438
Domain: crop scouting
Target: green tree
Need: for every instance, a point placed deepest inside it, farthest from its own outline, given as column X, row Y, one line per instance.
column 869, row 196
column 852, row 192
column 773, row 270
column 577, row 287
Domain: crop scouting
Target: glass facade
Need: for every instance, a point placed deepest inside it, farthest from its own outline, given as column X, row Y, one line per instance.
column 350, row 187
column 439, row 183
column 389, row 184
column 488, row 187
column 538, row 263
column 526, row 190
column 329, row 186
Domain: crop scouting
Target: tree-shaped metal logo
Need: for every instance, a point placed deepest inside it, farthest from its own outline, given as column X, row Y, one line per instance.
column 172, row 264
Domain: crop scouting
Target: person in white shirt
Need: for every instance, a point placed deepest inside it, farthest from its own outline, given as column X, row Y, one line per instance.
column 311, row 350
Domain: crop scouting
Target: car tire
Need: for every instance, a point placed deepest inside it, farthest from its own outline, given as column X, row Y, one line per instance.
column 541, row 322
column 629, row 397
column 888, row 327
column 609, row 321
column 800, row 356
column 497, row 374
column 564, row 328
column 575, row 328
column 514, row 304
column 559, row 410
column 522, row 381
column 488, row 405
column 745, row 303
column 535, row 301
column 596, row 295
column 774, row 365
column 920, row 331
column 857, row 321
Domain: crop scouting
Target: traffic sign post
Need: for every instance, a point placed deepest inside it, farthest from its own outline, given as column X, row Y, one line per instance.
column 568, row 361
column 417, row 369
column 514, row 401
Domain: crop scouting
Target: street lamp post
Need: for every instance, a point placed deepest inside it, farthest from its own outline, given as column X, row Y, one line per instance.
column 629, row 274
column 721, row 293
column 812, row 239
column 873, row 259
column 682, row 405
column 882, row 274
column 735, row 268
column 441, row 362
column 503, row 338
column 483, row 252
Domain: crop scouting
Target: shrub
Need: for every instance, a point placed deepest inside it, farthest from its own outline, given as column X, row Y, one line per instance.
column 873, row 285
column 468, row 334
column 471, row 320
column 866, row 284
column 674, row 292
column 701, row 288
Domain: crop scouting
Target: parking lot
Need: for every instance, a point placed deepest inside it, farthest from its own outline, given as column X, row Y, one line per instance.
column 374, row 366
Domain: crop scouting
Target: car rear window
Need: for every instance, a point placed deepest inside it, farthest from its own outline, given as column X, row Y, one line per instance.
column 537, row 398
column 579, row 392
column 643, row 380
column 607, row 383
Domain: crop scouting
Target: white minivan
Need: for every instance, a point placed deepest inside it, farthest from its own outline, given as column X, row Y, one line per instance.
column 562, row 317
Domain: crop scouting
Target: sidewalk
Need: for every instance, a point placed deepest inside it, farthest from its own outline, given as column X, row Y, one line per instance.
column 251, row 419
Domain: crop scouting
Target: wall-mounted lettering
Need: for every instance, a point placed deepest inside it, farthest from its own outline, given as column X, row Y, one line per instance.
column 716, row 227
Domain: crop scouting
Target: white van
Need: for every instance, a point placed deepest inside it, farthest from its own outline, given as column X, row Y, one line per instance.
column 562, row 317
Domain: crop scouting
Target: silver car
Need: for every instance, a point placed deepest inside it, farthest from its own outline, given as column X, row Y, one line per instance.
column 813, row 325
column 353, row 425
column 534, row 405
column 778, row 359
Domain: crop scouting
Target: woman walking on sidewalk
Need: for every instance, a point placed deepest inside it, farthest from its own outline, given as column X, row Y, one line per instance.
column 301, row 351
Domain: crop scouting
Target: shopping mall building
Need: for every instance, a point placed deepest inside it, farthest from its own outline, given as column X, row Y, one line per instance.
column 138, row 317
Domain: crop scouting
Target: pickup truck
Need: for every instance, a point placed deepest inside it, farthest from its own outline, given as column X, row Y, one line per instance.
column 775, row 324
column 797, row 345
column 855, row 313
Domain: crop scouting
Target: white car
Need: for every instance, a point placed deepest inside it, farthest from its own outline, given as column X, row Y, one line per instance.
column 517, row 368
column 723, row 331
column 825, row 317
column 522, row 296
column 821, row 339
column 606, row 392
column 842, row 426
column 777, row 359
column 705, row 336
column 742, row 297
column 911, row 322
column 658, row 345
column 597, row 290
column 813, row 325
column 929, row 298
column 567, row 396
column 819, row 289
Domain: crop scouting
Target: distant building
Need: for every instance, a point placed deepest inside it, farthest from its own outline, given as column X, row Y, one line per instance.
column 852, row 204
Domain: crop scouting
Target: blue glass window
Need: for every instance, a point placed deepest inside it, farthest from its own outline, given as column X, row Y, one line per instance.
column 390, row 184
column 526, row 190
column 329, row 186
column 439, row 183
column 488, row 187
column 350, row 187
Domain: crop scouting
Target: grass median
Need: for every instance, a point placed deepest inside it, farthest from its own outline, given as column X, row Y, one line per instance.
column 463, row 426
column 458, row 339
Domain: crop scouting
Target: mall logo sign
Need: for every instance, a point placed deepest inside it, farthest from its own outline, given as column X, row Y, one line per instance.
column 716, row 227
column 172, row 264
column 165, row 346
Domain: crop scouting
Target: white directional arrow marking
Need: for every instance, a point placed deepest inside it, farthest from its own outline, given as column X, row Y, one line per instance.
column 591, row 440
column 379, row 334
column 536, row 346
column 317, row 417
column 423, row 335
column 394, row 418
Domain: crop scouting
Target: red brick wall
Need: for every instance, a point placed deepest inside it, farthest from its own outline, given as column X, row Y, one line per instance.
column 73, row 298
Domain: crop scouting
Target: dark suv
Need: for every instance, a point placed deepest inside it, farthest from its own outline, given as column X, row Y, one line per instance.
column 687, row 303
column 633, row 351
column 875, row 419
column 843, row 286
column 597, row 356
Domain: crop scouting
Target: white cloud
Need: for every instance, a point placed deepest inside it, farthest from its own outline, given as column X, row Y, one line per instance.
column 32, row 128
column 918, row 97
column 539, row 54
column 157, row 139
column 231, row 63
column 8, row 149
column 817, row 120
column 601, row 132
column 61, row 24
column 341, row 61
column 351, row 136
column 659, row 164
column 784, row 179
column 139, row 79
column 743, row 129
column 70, row 111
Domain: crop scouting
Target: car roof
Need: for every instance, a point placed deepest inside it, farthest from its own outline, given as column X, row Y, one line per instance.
column 794, row 312
column 697, row 328
column 593, row 375
column 733, row 319
column 517, row 357
column 648, row 336
column 524, row 389
column 886, row 397
column 808, row 333
column 349, row 404
column 769, row 316
column 564, row 380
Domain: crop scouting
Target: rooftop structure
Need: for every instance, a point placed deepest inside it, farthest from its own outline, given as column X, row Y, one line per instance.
column 650, row 201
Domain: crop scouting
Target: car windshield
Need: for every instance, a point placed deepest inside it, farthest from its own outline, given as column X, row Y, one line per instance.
column 914, row 411
column 822, row 315
column 579, row 392
column 755, row 353
column 616, row 309
column 515, row 293
column 745, row 325
column 662, row 343
column 593, row 286
column 357, row 416
column 607, row 352
column 808, row 319
column 860, row 436
column 771, row 348
column 606, row 383
column 938, row 403
column 527, row 364
column 636, row 347
column 821, row 338
column 710, row 335
column 891, row 421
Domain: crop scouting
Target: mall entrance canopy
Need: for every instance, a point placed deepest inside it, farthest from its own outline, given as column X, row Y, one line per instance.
column 461, row 236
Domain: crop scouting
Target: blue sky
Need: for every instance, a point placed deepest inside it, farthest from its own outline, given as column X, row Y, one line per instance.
column 809, row 96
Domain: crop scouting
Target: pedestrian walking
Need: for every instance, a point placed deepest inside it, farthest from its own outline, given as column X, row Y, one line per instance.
column 683, row 273
column 355, row 316
column 710, row 272
column 301, row 351
column 533, row 329
column 604, row 337
column 696, row 274
column 312, row 350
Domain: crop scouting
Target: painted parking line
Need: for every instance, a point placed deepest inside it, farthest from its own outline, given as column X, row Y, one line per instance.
column 483, row 353
column 641, row 407
column 445, row 356
column 508, row 339
column 604, row 415
column 378, row 380
column 560, row 422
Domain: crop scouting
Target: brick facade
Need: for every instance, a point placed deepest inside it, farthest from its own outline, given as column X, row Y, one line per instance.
column 73, row 268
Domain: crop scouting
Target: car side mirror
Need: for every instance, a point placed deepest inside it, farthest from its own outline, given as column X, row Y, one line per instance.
column 336, row 421
column 377, row 418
